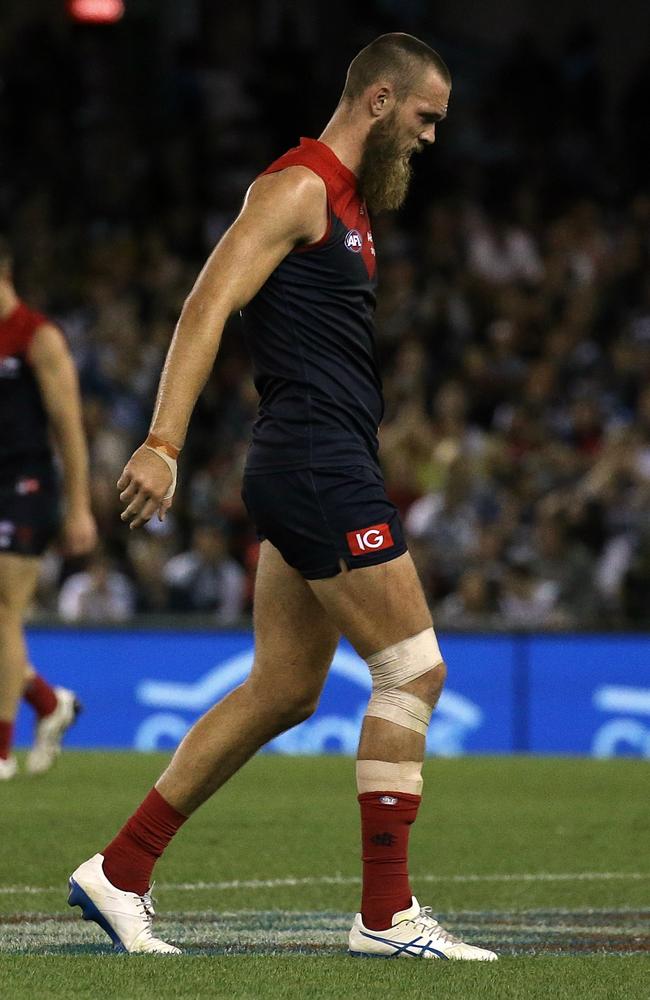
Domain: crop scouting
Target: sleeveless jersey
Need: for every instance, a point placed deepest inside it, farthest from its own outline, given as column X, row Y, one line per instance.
column 310, row 333
column 24, row 434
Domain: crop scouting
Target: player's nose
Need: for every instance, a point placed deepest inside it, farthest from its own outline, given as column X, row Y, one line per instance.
column 428, row 136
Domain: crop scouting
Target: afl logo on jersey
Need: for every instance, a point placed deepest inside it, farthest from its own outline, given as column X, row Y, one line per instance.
column 10, row 367
column 353, row 241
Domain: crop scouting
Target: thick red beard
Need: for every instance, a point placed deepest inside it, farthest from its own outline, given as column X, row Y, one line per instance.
column 385, row 171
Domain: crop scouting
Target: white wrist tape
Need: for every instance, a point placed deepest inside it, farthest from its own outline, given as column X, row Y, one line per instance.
column 171, row 464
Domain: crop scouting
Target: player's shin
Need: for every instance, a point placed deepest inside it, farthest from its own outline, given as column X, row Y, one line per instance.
column 389, row 770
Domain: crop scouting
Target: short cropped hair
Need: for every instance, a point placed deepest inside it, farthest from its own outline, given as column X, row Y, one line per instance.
column 397, row 57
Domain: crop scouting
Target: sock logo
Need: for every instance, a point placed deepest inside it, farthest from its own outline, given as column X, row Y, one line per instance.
column 383, row 839
column 371, row 539
column 388, row 800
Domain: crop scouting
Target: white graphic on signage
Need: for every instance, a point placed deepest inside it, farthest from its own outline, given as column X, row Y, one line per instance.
column 623, row 734
column 178, row 704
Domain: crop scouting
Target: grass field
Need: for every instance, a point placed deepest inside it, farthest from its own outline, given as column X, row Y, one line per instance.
column 546, row 861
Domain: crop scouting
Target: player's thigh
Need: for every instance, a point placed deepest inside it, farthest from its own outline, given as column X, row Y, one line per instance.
column 375, row 606
column 295, row 639
column 18, row 580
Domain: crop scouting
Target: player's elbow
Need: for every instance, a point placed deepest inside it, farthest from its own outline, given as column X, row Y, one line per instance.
column 204, row 312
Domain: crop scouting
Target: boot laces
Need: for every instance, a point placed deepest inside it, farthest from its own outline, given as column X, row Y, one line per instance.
column 427, row 922
column 148, row 900
column 146, row 910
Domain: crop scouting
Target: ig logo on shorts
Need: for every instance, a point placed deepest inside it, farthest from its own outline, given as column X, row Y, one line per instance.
column 371, row 539
column 353, row 241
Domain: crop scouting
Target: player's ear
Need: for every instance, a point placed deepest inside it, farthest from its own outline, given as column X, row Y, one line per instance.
column 381, row 99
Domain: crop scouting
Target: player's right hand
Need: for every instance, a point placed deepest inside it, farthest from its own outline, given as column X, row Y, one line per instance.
column 79, row 532
column 144, row 483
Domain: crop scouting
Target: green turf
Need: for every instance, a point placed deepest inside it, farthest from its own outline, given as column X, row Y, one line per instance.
column 322, row 979
column 296, row 819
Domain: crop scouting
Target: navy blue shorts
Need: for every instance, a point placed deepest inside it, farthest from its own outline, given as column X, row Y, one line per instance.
column 29, row 510
column 318, row 517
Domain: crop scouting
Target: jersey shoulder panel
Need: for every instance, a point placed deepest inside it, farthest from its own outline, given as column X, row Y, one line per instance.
column 317, row 156
column 343, row 200
column 17, row 330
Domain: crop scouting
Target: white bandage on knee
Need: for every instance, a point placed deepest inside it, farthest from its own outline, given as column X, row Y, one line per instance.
column 382, row 776
column 171, row 464
column 394, row 667
column 402, row 708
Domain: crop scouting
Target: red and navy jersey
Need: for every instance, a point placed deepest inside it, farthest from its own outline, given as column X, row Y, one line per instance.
column 24, row 440
column 310, row 333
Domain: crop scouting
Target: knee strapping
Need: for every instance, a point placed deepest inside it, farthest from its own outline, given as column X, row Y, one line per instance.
column 396, row 666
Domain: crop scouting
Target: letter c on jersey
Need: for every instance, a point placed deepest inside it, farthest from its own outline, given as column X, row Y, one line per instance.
column 371, row 539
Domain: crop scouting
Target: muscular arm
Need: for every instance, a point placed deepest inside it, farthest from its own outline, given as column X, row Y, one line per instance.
column 57, row 379
column 280, row 212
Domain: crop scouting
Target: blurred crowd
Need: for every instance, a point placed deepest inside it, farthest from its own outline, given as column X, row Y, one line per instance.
column 513, row 317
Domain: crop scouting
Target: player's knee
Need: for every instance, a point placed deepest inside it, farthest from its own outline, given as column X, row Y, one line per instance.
column 407, row 680
column 288, row 706
column 302, row 708
column 429, row 686
column 290, row 712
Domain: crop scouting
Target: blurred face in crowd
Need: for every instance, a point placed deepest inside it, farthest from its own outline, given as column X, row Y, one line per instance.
column 208, row 542
column 451, row 402
column 519, row 582
column 550, row 539
column 474, row 591
column 408, row 128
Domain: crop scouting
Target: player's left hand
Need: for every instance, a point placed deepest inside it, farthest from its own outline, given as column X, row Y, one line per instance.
column 144, row 484
column 79, row 532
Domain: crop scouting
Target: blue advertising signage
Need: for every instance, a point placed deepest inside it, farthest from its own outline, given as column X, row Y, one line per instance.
column 538, row 694
column 590, row 695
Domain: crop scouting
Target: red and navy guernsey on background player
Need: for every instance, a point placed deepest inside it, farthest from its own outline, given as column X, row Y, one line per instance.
column 312, row 482
column 29, row 488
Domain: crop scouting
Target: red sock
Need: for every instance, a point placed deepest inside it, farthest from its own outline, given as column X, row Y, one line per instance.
column 6, row 738
column 131, row 855
column 386, row 819
column 41, row 696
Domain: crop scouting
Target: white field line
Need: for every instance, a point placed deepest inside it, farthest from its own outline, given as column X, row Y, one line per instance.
column 277, row 883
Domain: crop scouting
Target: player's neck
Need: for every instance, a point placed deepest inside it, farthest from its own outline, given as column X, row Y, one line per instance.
column 346, row 138
column 8, row 300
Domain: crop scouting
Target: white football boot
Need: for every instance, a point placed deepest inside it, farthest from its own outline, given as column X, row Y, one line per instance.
column 125, row 916
column 50, row 731
column 8, row 768
column 414, row 934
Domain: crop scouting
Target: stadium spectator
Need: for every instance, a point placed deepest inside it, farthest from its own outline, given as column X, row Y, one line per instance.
column 99, row 593
column 206, row 579
column 471, row 606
